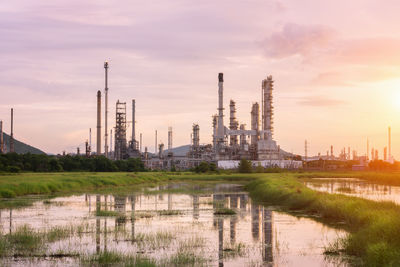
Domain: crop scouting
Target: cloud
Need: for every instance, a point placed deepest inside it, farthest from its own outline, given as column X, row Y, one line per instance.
column 295, row 39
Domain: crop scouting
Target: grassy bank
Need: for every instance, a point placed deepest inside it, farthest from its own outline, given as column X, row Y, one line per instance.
column 13, row 186
column 374, row 226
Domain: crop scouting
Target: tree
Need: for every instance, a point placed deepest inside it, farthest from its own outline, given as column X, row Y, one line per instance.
column 245, row 166
column 203, row 167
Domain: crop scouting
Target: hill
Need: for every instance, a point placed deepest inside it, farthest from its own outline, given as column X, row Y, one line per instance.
column 20, row 147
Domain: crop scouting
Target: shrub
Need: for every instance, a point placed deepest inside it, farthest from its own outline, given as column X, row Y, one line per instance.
column 245, row 166
column 14, row 169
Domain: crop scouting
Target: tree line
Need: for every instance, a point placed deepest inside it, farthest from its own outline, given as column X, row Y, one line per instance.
column 13, row 162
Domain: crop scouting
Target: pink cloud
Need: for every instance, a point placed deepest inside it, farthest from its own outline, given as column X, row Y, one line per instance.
column 296, row 39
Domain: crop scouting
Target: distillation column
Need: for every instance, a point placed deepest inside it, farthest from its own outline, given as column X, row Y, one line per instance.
column 255, row 122
column 233, row 123
column 267, row 87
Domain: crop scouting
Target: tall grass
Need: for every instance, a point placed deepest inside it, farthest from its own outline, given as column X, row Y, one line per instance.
column 374, row 226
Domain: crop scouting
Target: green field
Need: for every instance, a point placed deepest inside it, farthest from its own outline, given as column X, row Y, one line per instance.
column 374, row 227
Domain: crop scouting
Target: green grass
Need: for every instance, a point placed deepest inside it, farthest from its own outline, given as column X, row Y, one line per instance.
column 108, row 213
column 169, row 212
column 224, row 211
column 113, row 258
column 374, row 226
column 25, row 241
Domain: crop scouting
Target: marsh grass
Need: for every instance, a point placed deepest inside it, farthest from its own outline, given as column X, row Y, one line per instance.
column 169, row 212
column 114, row 258
column 185, row 258
column 224, row 211
column 154, row 241
column 232, row 250
column 108, row 213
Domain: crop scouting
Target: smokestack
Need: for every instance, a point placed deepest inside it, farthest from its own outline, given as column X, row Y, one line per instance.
column 98, row 137
column 385, row 158
column 390, row 143
column 106, row 110
column 90, row 139
column 155, row 151
column 111, row 140
column 12, row 132
column 220, row 128
column 1, row 138
column 367, row 156
column 140, row 142
column 133, row 123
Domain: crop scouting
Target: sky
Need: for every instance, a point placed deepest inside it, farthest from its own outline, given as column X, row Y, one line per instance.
column 334, row 63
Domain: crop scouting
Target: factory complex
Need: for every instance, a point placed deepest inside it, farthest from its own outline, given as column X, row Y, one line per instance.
column 230, row 143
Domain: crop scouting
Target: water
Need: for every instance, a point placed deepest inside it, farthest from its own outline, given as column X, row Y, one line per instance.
column 255, row 236
column 357, row 188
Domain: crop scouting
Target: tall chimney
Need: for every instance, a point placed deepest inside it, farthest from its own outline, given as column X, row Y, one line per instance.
column 221, row 127
column 90, row 139
column 106, row 110
column 98, row 142
column 155, row 152
column 390, row 144
column 111, row 140
column 133, row 123
column 12, row 149
column 1, row 137
column 140, row 147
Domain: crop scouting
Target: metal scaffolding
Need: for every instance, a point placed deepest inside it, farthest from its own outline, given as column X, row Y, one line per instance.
column 120, row 131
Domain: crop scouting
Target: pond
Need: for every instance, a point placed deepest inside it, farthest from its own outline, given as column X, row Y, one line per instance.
column 355, row 187
column 172, row 225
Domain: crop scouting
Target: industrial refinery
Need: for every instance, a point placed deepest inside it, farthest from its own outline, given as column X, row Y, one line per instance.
column 230, row 143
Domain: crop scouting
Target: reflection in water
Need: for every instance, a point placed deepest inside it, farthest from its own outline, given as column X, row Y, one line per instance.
column 267, row 228
column 356, row 187
column 133, row 218
column 196, row 205
column 261, row 230
column 10, row 221
column 98, row 205
column 233, row 219
column 220, row 241
column 255, row 220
